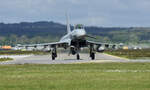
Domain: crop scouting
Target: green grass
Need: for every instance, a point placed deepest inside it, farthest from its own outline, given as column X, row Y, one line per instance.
column 5, row 59
column 131, row 54
column 76, row 77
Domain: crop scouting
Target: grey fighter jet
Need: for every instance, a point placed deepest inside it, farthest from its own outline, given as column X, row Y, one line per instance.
column 74, row 40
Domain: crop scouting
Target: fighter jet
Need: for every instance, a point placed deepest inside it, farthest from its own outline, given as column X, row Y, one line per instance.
column 74, row 40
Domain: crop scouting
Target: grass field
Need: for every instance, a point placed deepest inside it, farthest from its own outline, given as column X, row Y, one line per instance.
column 104, row 76
column 131, row 54
column 5, row 59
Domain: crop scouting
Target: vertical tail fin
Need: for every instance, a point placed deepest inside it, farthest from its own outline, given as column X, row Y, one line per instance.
column 68, row 24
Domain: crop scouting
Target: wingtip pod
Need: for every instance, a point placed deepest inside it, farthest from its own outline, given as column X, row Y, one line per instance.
column 68, row 23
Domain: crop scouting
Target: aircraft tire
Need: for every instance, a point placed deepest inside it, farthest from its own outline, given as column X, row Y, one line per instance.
column 78, row 57
column 92, row 56
column 53, row 56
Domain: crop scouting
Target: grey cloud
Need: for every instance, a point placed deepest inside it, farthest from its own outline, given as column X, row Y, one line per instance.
column 89, row 12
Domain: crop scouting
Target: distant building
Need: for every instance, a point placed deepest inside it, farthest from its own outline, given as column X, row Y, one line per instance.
column 6, row 47
column 125, row 48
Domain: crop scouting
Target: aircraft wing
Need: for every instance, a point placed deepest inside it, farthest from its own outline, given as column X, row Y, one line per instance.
column 105, row 45
column 58, row 44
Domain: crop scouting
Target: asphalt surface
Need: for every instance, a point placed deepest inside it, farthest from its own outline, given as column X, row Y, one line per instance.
column 65, row 59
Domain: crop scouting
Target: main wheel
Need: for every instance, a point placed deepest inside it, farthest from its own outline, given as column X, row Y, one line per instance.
column 92, row 56
column 53, row 56
column 78, row 57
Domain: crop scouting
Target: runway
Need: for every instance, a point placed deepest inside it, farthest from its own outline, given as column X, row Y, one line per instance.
column 65, row 59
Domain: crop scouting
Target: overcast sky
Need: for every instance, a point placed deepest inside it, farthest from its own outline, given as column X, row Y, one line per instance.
column 106, row 13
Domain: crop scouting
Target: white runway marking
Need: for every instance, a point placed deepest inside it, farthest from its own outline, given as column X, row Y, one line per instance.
column 126, row 71
column 14, row 56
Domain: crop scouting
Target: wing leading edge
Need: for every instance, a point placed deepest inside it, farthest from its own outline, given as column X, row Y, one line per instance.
column 105, row 45
column 58, row 44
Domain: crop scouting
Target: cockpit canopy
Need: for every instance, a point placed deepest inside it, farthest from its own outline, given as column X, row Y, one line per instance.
column 79, row 26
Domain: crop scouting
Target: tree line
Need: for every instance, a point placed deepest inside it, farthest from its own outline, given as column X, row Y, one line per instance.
column 44, row 31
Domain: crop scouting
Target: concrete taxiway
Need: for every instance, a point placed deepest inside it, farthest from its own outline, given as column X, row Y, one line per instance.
column 65, row 59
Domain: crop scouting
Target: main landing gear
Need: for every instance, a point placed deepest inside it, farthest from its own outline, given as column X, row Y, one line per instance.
column 54, row 54
column 78, row 57
column 92, row 53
